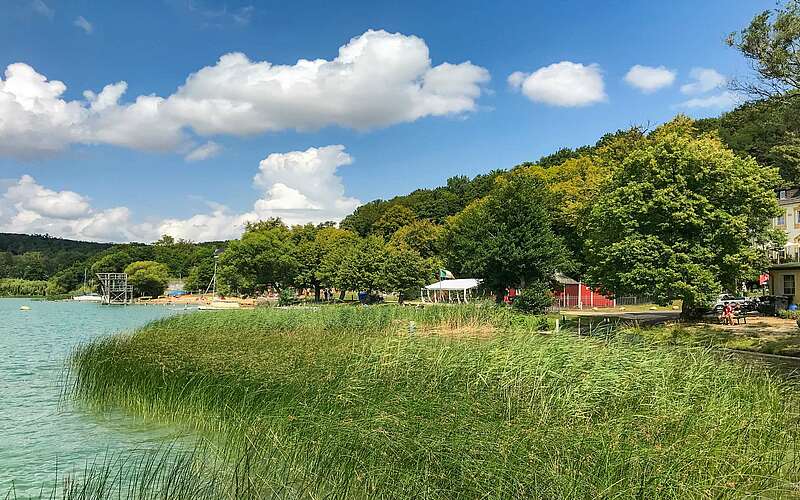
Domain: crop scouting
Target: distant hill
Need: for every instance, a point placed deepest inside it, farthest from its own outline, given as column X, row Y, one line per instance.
column 18, row 244
column 37, row 257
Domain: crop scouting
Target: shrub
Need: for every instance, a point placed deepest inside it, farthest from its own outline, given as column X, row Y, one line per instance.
column 535, row 299
column 287, row 297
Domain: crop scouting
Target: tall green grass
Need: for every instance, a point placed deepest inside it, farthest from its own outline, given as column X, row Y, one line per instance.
column 344, row 402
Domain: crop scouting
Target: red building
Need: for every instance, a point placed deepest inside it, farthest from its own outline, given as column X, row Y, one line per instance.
column 574, row 294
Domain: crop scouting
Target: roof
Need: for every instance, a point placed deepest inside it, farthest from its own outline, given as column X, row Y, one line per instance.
column 564, row 279
column 459, row 284
column 792, row 196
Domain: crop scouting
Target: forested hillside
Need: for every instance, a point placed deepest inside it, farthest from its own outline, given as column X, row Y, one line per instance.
column 38, row 257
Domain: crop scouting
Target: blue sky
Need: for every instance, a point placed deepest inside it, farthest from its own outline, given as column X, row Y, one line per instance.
column 107, row 173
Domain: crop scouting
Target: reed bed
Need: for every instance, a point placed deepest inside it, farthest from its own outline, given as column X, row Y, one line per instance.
column 346, row 402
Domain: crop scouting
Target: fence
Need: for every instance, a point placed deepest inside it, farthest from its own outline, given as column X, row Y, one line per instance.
column 564, row 301
column 633, row 300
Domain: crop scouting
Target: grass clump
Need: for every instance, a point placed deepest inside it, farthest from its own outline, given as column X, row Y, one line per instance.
column 347, row 403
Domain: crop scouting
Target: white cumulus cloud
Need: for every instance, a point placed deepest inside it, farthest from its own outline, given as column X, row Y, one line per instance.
column 297, row 186
column 28, row 207
column 566, row 84
column 377, row 79
column 302, row 186
column 703, row 80
column 648, row 79
column 27, row 195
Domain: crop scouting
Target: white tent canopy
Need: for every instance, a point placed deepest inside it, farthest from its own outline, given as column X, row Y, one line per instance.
column 450, row 290
column 460, row 285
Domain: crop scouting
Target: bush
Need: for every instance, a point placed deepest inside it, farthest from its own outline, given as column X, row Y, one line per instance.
column 287, row 297
column 535, row 299
column 787, row 314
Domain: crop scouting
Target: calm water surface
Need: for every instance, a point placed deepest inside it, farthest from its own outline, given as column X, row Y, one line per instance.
column 38, row 432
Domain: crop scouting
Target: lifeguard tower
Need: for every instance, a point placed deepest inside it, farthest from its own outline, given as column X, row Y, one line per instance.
column 115, row 289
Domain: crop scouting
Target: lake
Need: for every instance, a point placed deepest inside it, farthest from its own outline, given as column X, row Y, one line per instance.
column 40, row 433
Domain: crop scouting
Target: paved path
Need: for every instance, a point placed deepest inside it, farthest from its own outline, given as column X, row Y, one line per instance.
column 642, row 317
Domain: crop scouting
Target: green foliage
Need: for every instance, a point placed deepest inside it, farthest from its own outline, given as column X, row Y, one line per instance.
column 421, row 236
column 201, row 274
column 334, row 245
column 536, row 298
column 287, row 297
column 362, row 266
column 772, row 44
column 506, row 238
column 264, row 256
column 405, row 271
column 431, row 204
column 681, row 217
column 148, row 277
column 46, row 256
column 768, row 130
column 394, row 218
column 13, row 287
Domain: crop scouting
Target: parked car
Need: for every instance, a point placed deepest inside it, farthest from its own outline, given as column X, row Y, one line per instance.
column 745, row 303
column 769, row 305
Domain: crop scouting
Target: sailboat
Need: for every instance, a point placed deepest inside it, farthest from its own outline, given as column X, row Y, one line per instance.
column 87, row 297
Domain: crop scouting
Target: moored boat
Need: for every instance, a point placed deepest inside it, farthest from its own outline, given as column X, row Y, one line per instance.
column 88, row 297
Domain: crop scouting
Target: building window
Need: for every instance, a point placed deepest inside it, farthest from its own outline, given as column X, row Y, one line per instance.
column 797, row 216
column 781, row 220
column 782, row 194
column 788, row 284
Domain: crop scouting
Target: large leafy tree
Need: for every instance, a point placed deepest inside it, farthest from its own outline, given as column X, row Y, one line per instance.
column 405, row 270
column 772, row 44
column 148, row 277
column 308, row 254
column 334, row 244
column 680, row 217
column 506, row 238
column 264, row 256
column 361, row 267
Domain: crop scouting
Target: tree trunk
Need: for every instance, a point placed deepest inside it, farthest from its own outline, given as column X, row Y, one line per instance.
column 499, row 295
column 341, row 295
column 400, row 298
column 316, row 292
column 688, row 311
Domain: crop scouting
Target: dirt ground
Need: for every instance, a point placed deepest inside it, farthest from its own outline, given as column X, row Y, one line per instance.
column 199, row 300
column 762, row 326
column 766, row 334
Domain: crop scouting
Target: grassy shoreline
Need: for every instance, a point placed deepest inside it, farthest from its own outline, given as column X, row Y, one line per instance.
column 475, row 403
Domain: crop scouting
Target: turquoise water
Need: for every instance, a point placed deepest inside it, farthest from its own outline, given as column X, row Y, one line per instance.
column 39, row 433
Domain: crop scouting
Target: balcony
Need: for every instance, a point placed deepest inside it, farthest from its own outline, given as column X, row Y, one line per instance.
column 788, row 255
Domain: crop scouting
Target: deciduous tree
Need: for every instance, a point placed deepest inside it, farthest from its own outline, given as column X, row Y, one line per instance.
column 506, row 238
column 148, row 277
column 772, row 44
column 681, row 217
